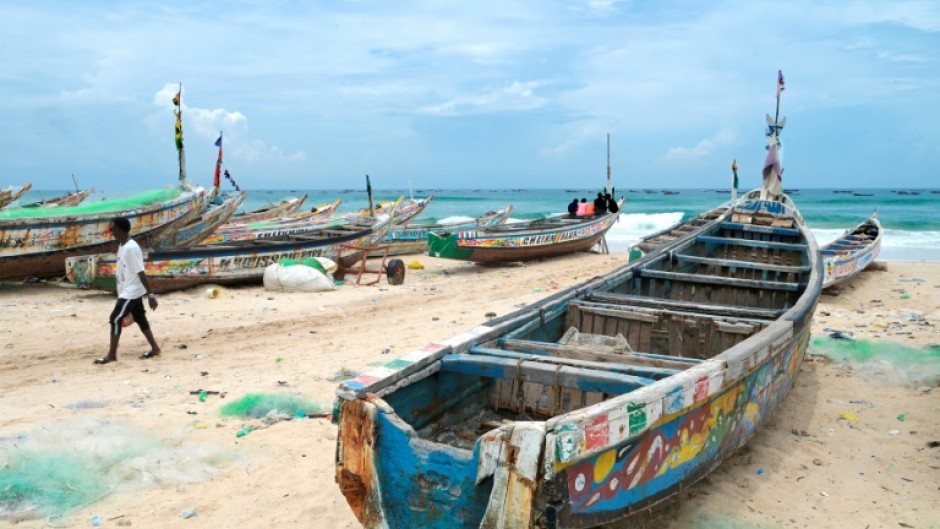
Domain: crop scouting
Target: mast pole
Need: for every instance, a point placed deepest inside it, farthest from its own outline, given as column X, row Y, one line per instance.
column 608, row 189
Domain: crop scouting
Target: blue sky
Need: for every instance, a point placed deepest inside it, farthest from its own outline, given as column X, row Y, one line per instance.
column 504, row 94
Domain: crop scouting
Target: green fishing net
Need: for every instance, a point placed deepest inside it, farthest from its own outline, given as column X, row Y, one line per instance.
column 63, row 466
column 887, row 362
column 257, row 405
column 111, row 205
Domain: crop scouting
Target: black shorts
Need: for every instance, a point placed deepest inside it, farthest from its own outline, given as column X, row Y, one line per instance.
column 124, row 307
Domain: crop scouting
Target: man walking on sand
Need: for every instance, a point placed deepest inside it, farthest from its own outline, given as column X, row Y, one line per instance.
column 132, row 286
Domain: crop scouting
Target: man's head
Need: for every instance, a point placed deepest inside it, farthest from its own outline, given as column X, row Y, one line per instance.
column 120, row 227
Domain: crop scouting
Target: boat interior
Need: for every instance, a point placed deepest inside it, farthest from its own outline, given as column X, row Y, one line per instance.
column 859, row 238
column 675, row 308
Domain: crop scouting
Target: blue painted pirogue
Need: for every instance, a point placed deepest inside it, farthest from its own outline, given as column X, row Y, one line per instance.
column 851, row 253
column 34, row 242
column 598, row 402
column 522, row 241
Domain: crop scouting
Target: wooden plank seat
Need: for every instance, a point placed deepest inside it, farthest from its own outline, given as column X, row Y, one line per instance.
column 590, row 380
column 716, row 280
column 690, row 306
column 711, row 239
column 616, row 364
column 591, row 354
column 734, row 263
column 751, row 228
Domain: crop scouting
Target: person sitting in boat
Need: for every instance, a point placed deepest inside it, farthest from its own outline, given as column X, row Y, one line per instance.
column 573, row 208
column 611, row 204
column 582, row 207
column 600, row 205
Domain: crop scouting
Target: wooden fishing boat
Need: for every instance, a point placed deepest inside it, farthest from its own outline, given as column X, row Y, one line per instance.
column 66, row 200
column 34, row 242
column 237, row 261
column 407, row 210
column 413, row 238
column 851, row 253
column 273, row 228
column 12, row 194
column 522, row 241
column 598, row 402
column 284, row 208
column 217, row 211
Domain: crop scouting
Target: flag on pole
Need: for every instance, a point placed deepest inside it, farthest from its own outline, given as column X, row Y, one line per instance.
column 780, row 84
column 179, row 121
column 218, row 163
column 734, row 169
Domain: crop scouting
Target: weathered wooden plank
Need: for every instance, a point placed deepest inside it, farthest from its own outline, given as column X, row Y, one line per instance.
column 613, row 362
column 711, row 239
column 724, row 281
column 542, row 373
column 594, row 353
column 730, row 263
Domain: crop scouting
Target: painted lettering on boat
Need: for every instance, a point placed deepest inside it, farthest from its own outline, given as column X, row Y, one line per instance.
column 258, row 261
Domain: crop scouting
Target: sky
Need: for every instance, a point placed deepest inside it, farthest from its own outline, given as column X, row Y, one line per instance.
column 463, row 95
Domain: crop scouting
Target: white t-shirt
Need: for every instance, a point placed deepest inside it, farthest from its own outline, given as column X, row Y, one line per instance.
column 130, row 262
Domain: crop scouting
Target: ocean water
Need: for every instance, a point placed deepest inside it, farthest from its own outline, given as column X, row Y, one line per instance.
column 910, row 218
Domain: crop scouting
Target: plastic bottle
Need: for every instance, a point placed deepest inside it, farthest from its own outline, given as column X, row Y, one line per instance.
column 244, row 431
column 96, row 521
column 203, row 395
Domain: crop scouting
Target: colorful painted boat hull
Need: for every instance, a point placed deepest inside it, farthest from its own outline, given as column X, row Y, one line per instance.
column 39, row 246
column 235, row 263
column 12, row 194
column 215, row 214
column 548, row 417
column 524, row 241
column 851, row 253
column 266, row 229
column 284, row 208
column 67, row 200
column 413, row 238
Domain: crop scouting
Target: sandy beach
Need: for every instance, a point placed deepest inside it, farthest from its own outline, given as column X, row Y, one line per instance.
column 848, row 448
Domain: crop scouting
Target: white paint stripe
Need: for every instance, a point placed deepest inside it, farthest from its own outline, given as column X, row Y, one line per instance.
column 117, row 321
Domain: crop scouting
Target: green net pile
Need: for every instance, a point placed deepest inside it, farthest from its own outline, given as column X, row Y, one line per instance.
column 111, row 205
column 257, row 405
column 64, row 466
column 887, row 362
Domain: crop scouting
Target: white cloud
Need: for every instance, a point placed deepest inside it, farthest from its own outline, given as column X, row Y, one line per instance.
column 698, row 152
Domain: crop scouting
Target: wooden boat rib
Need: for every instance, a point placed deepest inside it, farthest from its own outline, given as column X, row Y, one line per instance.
column 35, row 242
column 522, row 241
column 851, row 253
column 597, row 402
column 234, row 262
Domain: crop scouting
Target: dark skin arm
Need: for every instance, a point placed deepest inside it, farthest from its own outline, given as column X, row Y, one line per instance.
column 143, row 279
